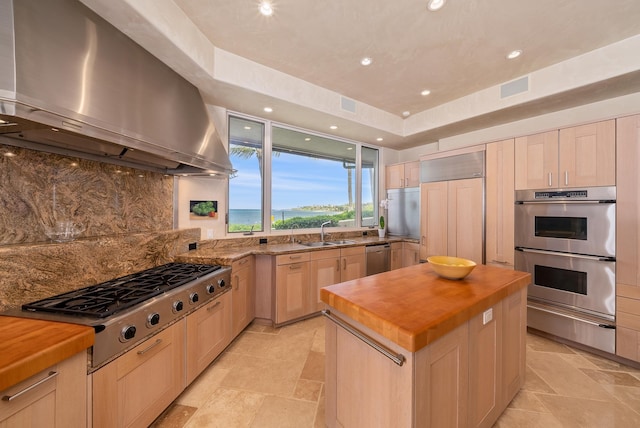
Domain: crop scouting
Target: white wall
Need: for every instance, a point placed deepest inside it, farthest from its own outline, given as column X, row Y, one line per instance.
column 202, row 189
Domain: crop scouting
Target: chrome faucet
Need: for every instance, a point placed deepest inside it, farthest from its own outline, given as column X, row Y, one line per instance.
column 322, row 229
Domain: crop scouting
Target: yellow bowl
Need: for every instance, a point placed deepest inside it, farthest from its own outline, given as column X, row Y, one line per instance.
column 451, row 267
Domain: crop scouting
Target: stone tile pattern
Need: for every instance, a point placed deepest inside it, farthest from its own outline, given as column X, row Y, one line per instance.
column 275, row 378
column 38, row 189
column 128, row 215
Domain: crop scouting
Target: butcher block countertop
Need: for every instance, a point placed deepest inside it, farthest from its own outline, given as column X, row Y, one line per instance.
column 413, row 306
column 28, row 346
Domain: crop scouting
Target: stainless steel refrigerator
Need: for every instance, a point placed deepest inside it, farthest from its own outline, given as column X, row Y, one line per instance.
column 404, row 212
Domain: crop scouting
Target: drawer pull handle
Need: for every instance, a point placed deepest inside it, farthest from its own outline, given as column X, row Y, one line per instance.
column 156, row 343
column 399, row 359
column 295, row 267
column 50, row 376
column 295, row 257
column 215, row 305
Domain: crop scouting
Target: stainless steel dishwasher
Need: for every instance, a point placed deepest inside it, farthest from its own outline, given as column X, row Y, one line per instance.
column 378, row 258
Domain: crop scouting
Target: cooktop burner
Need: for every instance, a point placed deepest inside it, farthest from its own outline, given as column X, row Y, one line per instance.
column 107, row 298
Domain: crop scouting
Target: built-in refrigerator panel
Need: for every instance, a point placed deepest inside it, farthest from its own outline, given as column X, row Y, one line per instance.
column 404, row 212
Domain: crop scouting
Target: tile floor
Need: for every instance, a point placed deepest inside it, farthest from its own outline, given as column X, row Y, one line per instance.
column 274, row 378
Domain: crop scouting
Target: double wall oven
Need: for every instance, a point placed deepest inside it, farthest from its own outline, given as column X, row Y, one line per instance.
column 566, row 240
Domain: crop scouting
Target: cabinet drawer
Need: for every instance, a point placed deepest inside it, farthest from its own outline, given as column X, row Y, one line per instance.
column 325, row 254
column 292, row 258
column 352, row 251
column 244, row 262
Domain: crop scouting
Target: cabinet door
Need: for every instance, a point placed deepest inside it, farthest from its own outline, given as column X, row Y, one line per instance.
column 485, row 365
column 514, row 337
column 433, row 219
column 56, row 397
column 354, row 263
column 323, row 272
column 500, row 203
column 587, row 155
column 292, row 291
column 410, row 254
column 208, row 333
column 465, row 220
column 412, row 174
column 242, row 283
column 537, row 160
column 394, row 176
column 135, row 388
column 396, row 255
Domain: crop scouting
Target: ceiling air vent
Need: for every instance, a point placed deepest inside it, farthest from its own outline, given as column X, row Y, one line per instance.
column 348, row 104
column 514, row 87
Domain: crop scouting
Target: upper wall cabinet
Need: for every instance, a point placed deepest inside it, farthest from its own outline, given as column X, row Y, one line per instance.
column 573, row 157
column 499, row 203
column 402, row 175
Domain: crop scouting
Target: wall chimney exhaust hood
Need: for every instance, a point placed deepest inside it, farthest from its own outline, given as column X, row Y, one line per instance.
column 72, row 84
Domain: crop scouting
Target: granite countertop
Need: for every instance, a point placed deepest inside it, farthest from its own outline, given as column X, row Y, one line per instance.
column 413, row 306
column 227, row 255
column 28, row 346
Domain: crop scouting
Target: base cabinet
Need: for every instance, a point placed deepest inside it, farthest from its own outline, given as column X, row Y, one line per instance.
column 464, row 379
column 208, row 333
column 135, row 388
column 243, row 294
column 59, row 400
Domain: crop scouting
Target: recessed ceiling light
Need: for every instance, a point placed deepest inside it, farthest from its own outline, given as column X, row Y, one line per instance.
column 366, row 61
column 434, row 5
column 406, row 113
column 425, row 92
column 333, row 127
column 247, row 127
column 266, row 9
column 379, row 139
column 268, row 109
column 307, row 139
column 514, row 54
column 9, row 154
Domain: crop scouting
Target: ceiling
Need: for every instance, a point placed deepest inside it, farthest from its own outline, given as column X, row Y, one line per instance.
column 304, row 60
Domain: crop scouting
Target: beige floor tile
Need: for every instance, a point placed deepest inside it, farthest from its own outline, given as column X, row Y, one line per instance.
column 320, row 420
column 202, row 388
column 581, row 413
column 279, row 412
column 610, row 377
column 278, row 377
column 308, row 390
column 564, row 378
column 542, row 344
column 516, row 418
column 534, row 383
column 525, row 400
column 314, row 367
column 228, row 408
column 290, row 346
column 627, row 395
column 176, row 416
column 318, row 341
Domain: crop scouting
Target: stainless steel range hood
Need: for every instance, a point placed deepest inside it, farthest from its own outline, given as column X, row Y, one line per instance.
column 71, row 83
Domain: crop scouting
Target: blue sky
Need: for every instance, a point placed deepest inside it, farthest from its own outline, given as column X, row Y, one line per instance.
column 297, row 182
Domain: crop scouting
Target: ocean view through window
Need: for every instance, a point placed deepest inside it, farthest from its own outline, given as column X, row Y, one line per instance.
column 305, row 179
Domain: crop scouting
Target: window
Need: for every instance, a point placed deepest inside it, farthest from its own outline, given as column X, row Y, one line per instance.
column 300, row 179
column 246, row 148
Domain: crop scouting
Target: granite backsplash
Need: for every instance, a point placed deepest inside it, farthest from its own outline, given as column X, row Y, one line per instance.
column 127, row 215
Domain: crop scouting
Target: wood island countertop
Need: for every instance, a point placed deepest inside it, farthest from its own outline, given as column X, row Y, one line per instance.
column 413, row 306
column 28, row 346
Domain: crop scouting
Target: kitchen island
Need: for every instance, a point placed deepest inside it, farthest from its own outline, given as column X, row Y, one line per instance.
column 407, row 348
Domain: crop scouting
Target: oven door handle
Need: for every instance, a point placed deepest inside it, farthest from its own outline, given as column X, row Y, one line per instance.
column 565, row 202
column 570, row 255
column 564, row 315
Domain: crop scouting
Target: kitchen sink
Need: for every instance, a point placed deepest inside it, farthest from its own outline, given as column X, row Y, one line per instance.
column 317, row 244
column 326, row 243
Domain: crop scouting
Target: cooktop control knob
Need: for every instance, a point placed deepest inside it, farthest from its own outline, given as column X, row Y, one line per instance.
column 193, row 297
column 221, row 283
column 153, row 319
column 177, row 306
column 211, row 288
column 127, row 333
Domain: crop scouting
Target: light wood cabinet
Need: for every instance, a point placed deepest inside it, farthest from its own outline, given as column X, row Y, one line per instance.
column 398, row 176
column 60, row 400
column 396, row 255
column 573, row 157
column 410, row 254
column 325, row 269
column 628, row 238
column 354, row 263
column 464, row 379
column 135, row 388
column 292, row 287
column 243, row 293
column 500, row 199
column 452, row 219
column 209, row 331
